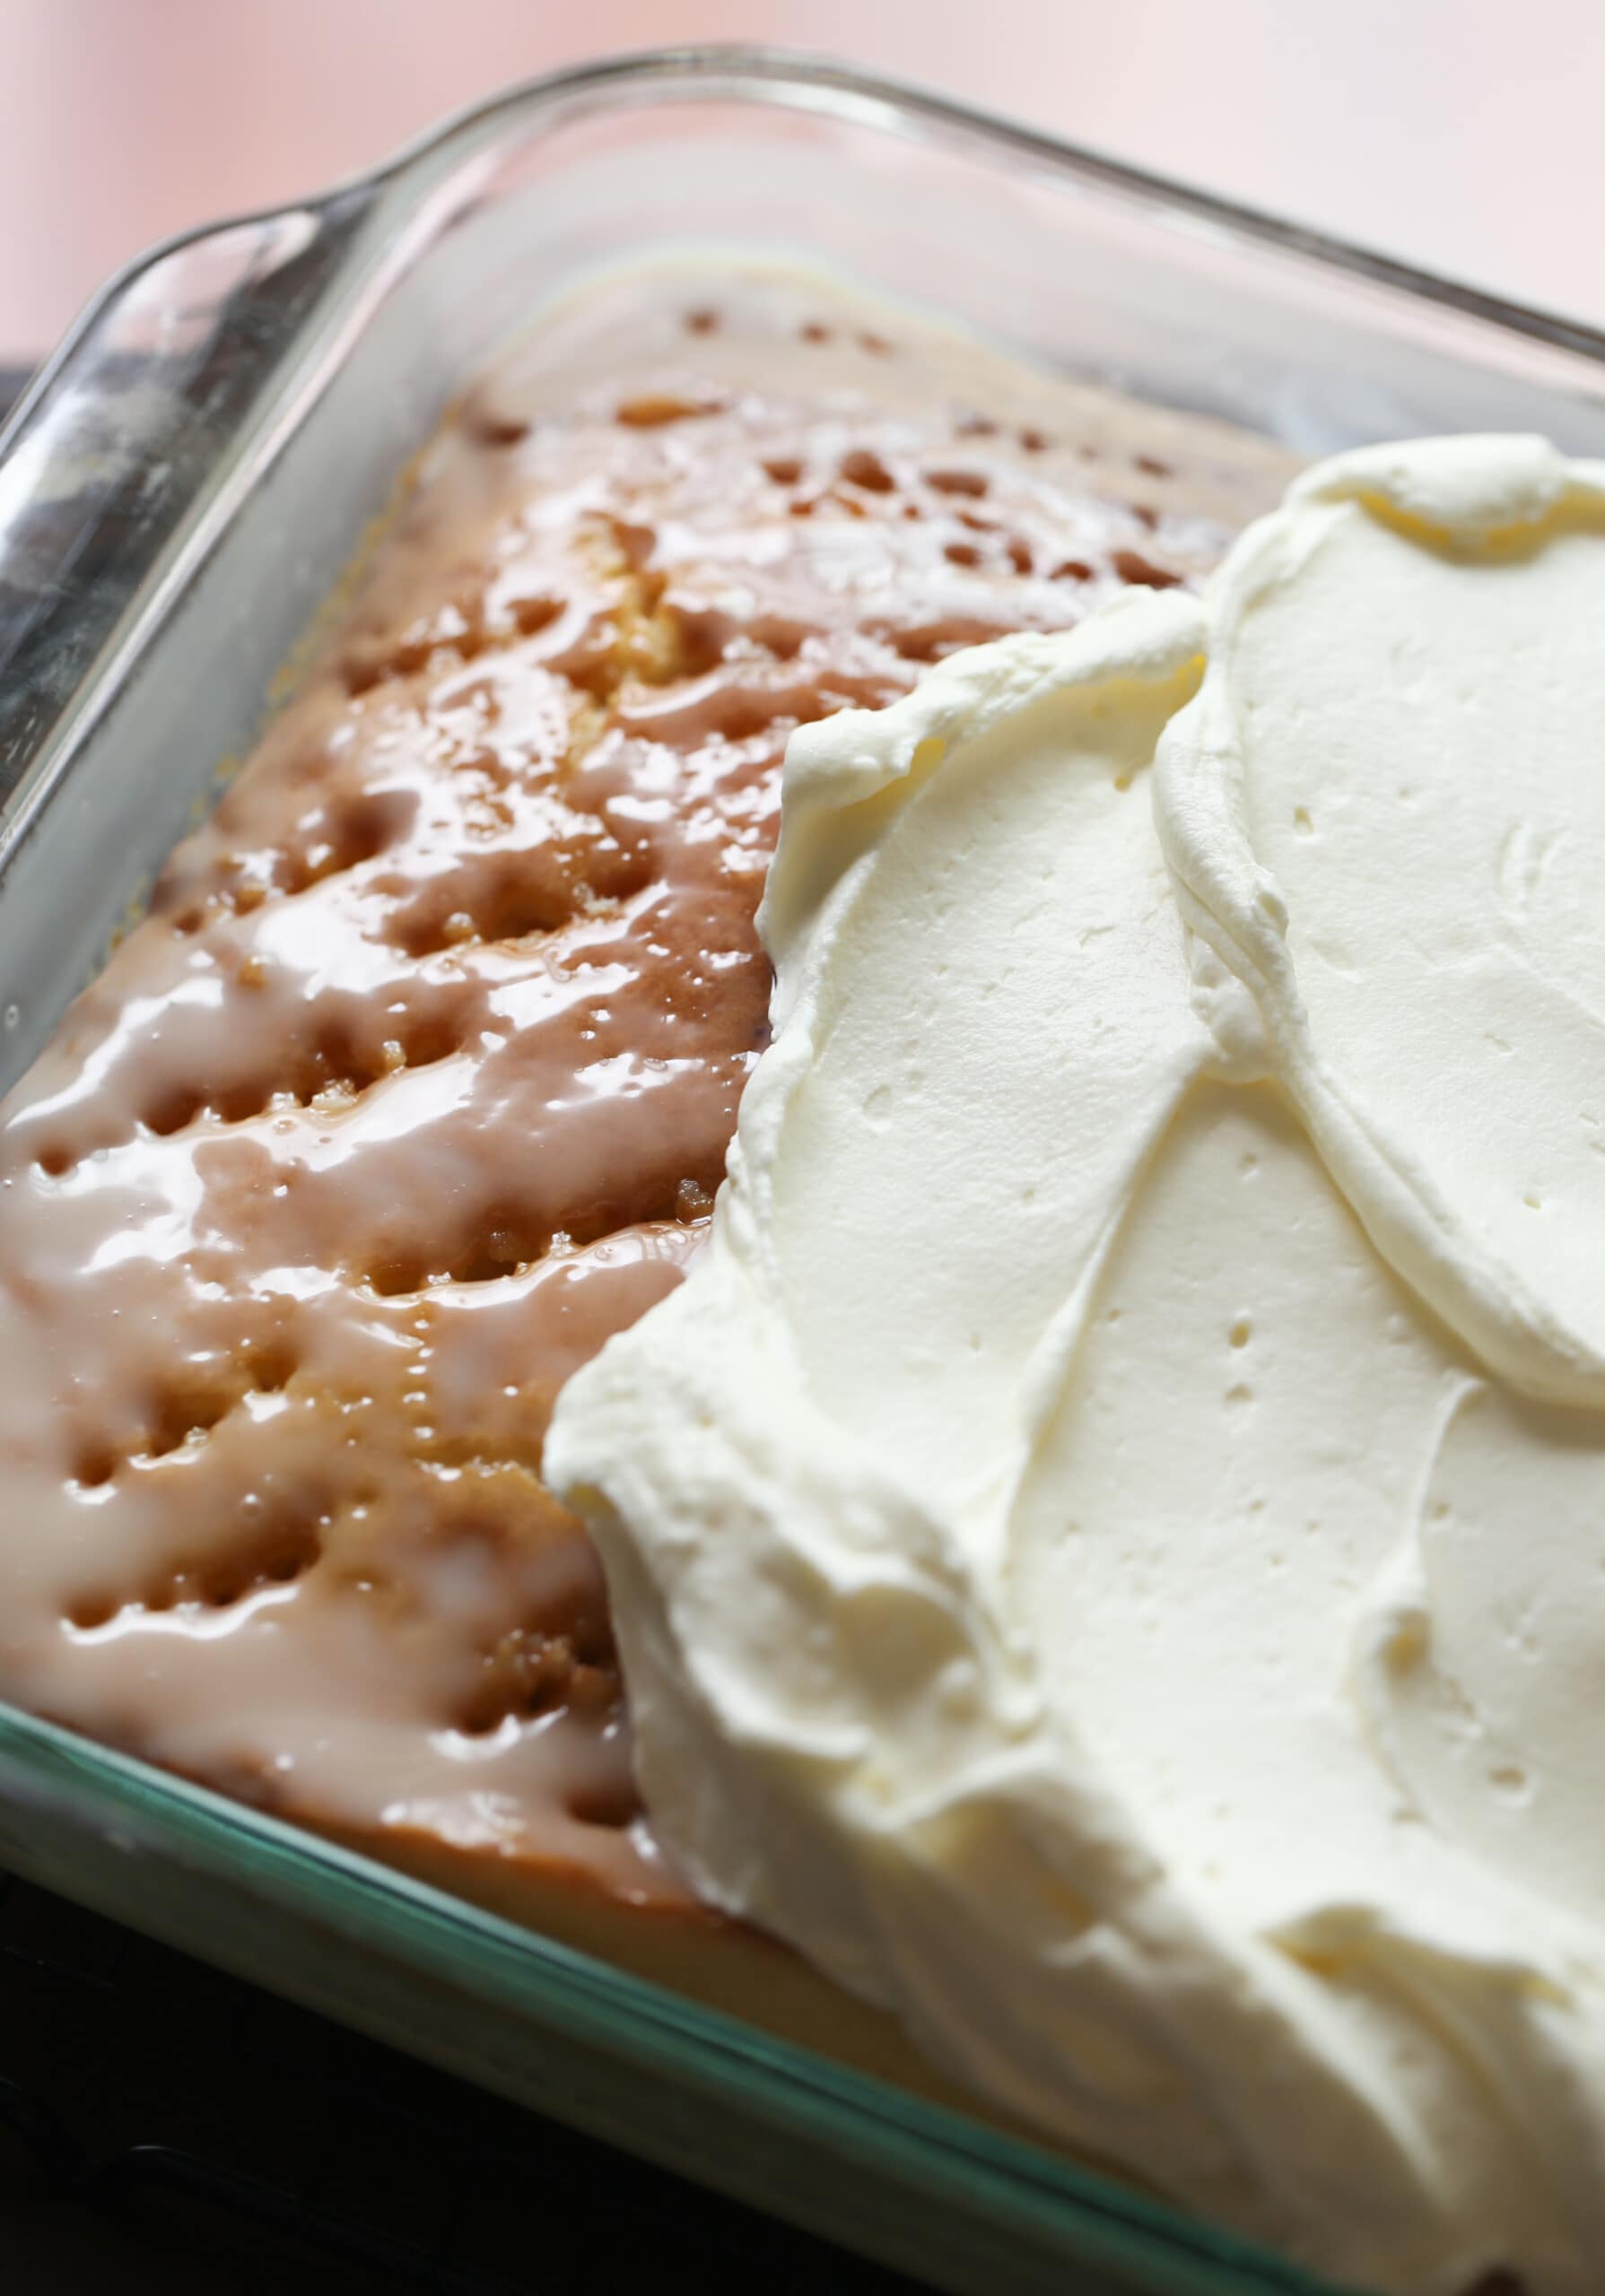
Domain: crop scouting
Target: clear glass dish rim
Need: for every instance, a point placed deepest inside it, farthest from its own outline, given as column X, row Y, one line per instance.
column 808, row 81
column 519, row 1968
column 923, row 2144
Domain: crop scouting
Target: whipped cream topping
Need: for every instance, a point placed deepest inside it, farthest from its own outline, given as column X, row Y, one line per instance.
column 1386, row 818
column 1107, row 1545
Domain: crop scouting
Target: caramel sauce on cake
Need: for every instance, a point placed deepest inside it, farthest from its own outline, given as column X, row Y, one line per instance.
column 415, row 1083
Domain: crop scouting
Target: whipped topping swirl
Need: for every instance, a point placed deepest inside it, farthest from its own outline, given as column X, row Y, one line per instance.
column 1109, row 1543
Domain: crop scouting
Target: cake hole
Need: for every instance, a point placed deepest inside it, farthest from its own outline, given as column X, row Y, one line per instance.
column 180, row 1412
column 1302, row 822
column 54, row 1161
column 975, row 426
column 404, row 659
column 701, row 321
column 1132, row 567
column 1146, row 514
column 960, row 553
column 336, row 1055
column 504, row 909
column 486, row 428
column 860, row 467
column 782, row 636
column 357, row 829
column 507, row 896
column 702, row 635
column 929, row 641
column 784, row 469
column 459, row 631
column 276, row 1557
column 506, row 1242
column 532, row 615
column 591, row 1638
column 876, row 345
column 1019, row 555
column 1034, row 442
column 1240, row 1333
column 241, row 1102
column 189, row 923
column 89, row 1611
column 425, row 1041
column 814, row 331
column 636, row 539
column 973, row 483
column 533, row 1670
column 269, row 1367
column 654, row 409
column 392, row 1278
column 613, row 1807
column 1072, row 569
column 172, row 1110
column 596, row 669
column 1152, row 464
column 94, row 1467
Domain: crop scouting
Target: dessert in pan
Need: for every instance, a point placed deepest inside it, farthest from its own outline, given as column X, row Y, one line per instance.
column 1060, row 1535
column 417, row 1080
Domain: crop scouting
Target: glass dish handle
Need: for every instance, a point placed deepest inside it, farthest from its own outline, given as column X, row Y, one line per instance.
column 118, row 444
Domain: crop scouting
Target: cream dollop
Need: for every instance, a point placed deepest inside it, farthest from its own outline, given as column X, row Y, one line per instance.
column 1386, row 816
column 1109, row 1543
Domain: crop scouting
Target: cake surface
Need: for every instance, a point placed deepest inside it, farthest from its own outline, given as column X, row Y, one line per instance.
column 417, row 1080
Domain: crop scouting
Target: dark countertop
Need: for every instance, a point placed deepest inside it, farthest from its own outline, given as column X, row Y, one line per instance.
column 169, row 2131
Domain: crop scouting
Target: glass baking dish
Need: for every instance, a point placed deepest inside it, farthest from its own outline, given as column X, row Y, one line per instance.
column 180, row 490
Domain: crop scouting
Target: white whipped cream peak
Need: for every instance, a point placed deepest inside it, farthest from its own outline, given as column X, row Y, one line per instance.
column 1108, row 1545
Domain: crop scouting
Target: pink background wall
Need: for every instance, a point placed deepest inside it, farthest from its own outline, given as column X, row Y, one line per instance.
column 1462, row 132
